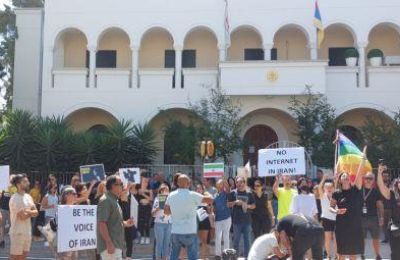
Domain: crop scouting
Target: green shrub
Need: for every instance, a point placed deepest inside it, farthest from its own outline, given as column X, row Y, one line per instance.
column 375, row 53
column 351, row 53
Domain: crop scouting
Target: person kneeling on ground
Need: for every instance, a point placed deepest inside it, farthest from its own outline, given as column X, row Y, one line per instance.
column 267, row 247
column 298, row 234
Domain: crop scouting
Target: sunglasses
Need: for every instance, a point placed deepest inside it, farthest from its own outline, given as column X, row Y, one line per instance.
column 369, row 179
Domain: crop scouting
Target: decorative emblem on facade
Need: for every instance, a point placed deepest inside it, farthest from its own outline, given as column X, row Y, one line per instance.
column 272, row 76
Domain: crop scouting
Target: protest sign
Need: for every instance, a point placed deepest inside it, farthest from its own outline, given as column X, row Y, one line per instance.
column 284, row 161
column 4, row 177
column 129, row 175
column 161, row 200
column 76, row 228
column 92, row 172
column 213, row 170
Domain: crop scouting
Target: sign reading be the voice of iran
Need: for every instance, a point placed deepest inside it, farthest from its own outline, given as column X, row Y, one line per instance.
column 213, row 170
column 285, row 161
column 76, row 228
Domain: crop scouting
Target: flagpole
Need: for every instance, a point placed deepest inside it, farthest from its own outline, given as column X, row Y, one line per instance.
column 336, row 152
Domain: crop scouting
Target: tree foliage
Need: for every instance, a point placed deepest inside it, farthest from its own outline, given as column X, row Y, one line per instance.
column 383, row 139
column 30, row 143
column 179, row 143
column 220, row 122
column 317, row 124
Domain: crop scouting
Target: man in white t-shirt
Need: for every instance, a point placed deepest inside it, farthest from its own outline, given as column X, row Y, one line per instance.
column 265, row 247
column 22, row 209
column 182, row 206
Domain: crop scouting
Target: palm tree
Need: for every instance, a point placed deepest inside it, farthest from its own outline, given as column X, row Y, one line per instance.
column 119, row 147
column 145, row 144
column 17, row 140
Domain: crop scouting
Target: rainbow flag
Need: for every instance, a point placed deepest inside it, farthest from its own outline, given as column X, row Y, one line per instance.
column 350, row 157
column 318, row 24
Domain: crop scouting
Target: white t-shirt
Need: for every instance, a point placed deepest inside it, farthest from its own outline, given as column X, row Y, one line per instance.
column 159, row 217
column 325, row 206
column 183, row 204
column 304, row 204
column 18, row 202
column 263, row 247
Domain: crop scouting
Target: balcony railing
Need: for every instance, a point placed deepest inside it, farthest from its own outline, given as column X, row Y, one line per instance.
column 112, row 79
column 70, row 78
column 272, row 77
column 156, row 79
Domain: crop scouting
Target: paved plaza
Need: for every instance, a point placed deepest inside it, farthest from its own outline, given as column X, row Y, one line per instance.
column 40, row 252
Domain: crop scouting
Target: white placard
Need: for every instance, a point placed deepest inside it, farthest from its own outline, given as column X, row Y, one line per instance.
column 76, row 228
column 4, row 177
column 284, row 161
column 129, row 175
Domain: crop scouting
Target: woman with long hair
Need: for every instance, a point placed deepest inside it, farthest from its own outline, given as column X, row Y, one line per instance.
column 326, row 189
column 125, row 204
column 204, row 226
column 162, row 224
column 393, row 196
column 347, row 204
column 145, row 198
column 68, row 197
column 262, row 217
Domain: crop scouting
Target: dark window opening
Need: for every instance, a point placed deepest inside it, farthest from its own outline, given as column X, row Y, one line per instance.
column 104, row 59
column 253, row 54
column 337, row 56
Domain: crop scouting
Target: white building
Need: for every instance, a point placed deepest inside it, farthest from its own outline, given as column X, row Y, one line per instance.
column 157, row 54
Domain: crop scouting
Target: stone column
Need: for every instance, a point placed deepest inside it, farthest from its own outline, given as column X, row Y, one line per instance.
column 222, row 52
column 178, row 65
column 313, row 51
column 361, row 64
column 92, row 66
column 135, row 67
column 267, row 51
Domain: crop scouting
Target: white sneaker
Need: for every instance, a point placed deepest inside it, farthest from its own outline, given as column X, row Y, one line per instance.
column 142, row 240
column 147, row 241
column 46, row 244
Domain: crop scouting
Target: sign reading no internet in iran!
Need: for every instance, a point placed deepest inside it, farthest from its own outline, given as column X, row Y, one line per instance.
column 284, row 161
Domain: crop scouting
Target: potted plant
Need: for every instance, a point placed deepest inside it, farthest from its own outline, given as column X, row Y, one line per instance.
column 351, row 55
column 375, row 57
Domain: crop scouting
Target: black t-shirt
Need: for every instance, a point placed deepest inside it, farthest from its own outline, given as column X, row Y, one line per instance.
column 291, row 223
column 395, row 204
column 352, row 200
column 238, row 215
column 370, row 197
column 261, row 209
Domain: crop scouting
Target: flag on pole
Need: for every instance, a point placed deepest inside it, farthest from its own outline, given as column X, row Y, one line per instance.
column 318, row 24
column 350, row 157
column 227, row 25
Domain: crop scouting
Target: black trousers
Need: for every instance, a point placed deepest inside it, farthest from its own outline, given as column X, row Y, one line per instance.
column 308, row 237
column 130, row 235
column 261, row 225
column 144, row 223
column 394, row 246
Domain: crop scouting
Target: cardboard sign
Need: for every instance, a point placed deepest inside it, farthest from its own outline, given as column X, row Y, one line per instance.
column 4, row 177
column 213, row 170
column 92, row 172
column 284, row 161
column 76, row 228
column 129, row 175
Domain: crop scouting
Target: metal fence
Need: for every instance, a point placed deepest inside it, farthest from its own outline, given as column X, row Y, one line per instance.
column 194, row 171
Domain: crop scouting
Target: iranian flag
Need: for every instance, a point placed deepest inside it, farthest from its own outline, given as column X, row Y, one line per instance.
column 213, row 170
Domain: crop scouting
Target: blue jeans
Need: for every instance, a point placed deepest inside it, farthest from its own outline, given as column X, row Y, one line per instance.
column 162, row 232
column 238, row 231
column 189, row 241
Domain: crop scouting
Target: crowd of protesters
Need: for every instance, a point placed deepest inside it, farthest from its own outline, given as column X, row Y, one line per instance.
column 329, row 216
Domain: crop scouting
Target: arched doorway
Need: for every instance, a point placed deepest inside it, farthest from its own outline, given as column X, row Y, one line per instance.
column 257, row 137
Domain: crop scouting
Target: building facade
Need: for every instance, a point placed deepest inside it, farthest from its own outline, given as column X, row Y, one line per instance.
column 97, row 61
